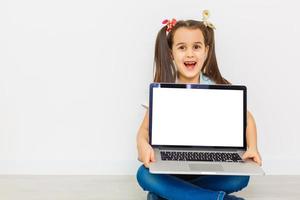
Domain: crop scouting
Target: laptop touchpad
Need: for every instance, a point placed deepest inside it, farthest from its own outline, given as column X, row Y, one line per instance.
column 206, row 167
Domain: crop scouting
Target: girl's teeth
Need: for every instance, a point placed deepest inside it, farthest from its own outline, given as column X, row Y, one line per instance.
column 190, row 64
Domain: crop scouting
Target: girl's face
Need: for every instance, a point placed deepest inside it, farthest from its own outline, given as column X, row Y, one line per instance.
column 189, row 53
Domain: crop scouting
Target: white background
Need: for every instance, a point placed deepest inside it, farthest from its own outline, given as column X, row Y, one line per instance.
column 73, row 75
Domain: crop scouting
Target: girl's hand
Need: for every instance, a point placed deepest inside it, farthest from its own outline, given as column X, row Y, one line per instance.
column 252, row 153
column 146, row 153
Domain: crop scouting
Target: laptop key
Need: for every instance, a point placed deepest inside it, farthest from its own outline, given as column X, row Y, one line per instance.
column 201, row 156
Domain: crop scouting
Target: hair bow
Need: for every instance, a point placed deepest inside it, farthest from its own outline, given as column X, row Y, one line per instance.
column 170, row 24
column 205, row 16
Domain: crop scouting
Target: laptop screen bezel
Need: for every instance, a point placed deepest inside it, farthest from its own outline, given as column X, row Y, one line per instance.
column 199, row 86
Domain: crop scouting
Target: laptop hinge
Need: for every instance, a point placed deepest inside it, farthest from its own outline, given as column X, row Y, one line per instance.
column 199, row 148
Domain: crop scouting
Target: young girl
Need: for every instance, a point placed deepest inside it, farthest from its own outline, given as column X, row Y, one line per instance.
column 185, row 53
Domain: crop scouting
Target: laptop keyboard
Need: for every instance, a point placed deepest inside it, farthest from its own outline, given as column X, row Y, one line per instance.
column 201, row 156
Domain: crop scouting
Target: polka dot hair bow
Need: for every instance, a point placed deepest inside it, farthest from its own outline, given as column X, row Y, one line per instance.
column 170, row 24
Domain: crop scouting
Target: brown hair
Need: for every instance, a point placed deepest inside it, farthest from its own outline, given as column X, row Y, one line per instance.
column 164, row 67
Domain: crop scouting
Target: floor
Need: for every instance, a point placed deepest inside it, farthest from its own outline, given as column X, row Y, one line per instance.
column 14, row 187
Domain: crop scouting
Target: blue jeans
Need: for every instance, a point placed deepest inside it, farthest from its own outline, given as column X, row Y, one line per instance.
column 182, row 187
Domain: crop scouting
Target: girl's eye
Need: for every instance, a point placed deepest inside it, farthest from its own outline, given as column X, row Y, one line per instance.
column 181, row 47
column 197, row 47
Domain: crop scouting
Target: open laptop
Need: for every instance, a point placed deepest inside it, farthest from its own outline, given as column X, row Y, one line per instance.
column 199, row 129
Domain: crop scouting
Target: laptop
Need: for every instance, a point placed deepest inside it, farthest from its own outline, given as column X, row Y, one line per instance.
column 199, row 129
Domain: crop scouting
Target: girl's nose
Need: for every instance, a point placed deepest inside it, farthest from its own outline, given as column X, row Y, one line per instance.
column 190, row 53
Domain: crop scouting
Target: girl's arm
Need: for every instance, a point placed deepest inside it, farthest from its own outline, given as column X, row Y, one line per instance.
column 251, row 133
column 143, row 135
column 251, row 137
column 145, row 151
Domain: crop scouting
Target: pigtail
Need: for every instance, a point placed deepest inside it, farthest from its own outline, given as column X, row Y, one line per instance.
column 163, row 62
column 210, row 66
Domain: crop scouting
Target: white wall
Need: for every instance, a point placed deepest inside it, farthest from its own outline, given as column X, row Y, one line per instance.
column 73, row 75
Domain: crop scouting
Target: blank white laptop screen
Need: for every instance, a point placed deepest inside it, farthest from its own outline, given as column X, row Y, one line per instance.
column 197, row 117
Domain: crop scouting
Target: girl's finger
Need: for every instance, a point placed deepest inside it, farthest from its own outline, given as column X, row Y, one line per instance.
column 147, row 160
column 152, row 156
column 257, row 160
column 245, row 156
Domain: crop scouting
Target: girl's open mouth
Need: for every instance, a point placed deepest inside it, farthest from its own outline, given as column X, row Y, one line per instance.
column 190, row 64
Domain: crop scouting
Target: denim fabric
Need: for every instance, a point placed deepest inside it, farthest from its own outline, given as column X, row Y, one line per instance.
column 195, row 187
